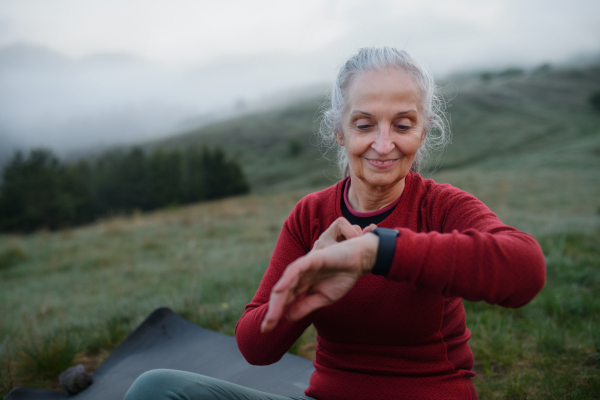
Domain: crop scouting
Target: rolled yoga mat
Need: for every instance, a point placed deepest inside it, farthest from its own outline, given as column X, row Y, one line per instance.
column 166, row 340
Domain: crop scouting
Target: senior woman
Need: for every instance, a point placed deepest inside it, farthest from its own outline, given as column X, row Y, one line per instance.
column 381, row 261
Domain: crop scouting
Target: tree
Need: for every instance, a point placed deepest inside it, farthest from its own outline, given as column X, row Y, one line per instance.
column 37, row 191
column 166, row 175
column 123, row 182
column 594, row 100
column 220, row 177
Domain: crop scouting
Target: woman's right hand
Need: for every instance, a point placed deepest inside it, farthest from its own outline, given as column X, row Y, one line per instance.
column 320, row 278
column 339, row 231
column 338, row 258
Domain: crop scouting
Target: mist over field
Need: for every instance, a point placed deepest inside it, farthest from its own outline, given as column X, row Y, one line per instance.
column 77, row 105
column 50, row 100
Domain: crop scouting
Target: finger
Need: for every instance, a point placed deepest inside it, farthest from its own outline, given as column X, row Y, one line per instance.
column 281, row 296
column 330, row 235
column 286, row 290
column 307, row 305
column 369, row 228
column 277, row 304
column 345, row 230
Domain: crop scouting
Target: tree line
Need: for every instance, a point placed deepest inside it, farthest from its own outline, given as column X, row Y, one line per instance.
column 40, row 191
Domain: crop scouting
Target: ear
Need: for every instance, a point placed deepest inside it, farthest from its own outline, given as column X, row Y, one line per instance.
column 423, row 136
column 339, row 138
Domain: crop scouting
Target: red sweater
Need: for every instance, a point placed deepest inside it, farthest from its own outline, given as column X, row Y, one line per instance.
column 403, row 336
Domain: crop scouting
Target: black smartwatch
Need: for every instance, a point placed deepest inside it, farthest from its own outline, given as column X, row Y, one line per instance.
column 385, row 251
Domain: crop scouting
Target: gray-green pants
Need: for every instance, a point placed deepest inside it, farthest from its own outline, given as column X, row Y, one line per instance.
column 168, row 384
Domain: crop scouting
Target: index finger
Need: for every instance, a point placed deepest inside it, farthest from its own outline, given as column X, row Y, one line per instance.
column 345, row 230
column 288, row 288
column 282, row 294
column 277, row 304
column 369, row 228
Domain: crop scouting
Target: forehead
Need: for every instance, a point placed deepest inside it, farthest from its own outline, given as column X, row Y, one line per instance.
column 389, row 88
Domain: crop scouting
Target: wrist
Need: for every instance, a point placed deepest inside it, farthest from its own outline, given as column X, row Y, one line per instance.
column 371, row 243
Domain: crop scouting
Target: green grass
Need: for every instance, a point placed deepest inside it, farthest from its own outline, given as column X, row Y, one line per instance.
column 527, row 145
column 549, row 349
column 80, row 292
column 94, row 284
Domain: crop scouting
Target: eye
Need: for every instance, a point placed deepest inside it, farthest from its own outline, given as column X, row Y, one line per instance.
column 363, row 124
column 403, row 124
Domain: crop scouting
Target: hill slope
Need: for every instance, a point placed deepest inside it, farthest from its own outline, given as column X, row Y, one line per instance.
column 499, row 123
column 527, row 145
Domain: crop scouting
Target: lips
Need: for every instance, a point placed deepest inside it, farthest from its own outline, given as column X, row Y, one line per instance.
column 381, row 164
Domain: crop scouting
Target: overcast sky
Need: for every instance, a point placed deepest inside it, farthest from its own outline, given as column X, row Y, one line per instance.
column 447, row 34
column 204, row 56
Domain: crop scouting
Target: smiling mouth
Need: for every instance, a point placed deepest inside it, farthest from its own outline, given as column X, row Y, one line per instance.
column 382, row 162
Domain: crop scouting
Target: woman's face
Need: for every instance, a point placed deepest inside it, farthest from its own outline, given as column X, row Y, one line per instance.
column 382, row 126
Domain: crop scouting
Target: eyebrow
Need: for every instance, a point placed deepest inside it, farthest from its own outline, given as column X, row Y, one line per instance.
column 370, row 115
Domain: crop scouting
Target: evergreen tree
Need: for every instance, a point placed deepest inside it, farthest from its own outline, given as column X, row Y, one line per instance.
column 38, row 192
column 167, row 175
column 221, row 177
column 124, row 182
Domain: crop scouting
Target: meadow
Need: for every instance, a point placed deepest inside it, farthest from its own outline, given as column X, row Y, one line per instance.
column 527, row 145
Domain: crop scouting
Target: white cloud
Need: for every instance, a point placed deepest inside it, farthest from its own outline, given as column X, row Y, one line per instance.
column 181, row 31
column 187, row 32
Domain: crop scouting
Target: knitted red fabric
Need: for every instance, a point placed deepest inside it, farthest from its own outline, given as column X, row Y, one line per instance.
column 403, row 336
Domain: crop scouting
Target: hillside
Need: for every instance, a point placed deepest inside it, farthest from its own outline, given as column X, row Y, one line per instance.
column 528, row 145
column 261, row 143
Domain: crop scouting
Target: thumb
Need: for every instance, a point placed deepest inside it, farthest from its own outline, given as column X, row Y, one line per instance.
column 369, row 228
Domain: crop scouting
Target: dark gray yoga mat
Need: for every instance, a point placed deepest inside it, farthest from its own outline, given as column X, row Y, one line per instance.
column 166, row 340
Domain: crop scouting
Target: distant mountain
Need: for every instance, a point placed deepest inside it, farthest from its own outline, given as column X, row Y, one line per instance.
column 112, row 60
column 21, row 56
column 50, row 100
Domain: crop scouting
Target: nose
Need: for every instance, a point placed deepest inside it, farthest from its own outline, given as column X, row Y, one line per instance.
column 383, row 142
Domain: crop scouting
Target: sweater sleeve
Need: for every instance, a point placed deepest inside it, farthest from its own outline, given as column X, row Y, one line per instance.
column 267, row 348
column 469, row 253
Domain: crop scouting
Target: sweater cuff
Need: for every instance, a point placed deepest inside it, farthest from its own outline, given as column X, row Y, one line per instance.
column 415, row 250
column 409, row 256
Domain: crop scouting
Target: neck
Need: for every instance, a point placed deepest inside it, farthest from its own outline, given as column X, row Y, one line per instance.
column 364, row 197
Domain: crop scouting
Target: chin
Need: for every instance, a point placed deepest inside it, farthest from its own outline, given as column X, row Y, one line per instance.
column 383, row 179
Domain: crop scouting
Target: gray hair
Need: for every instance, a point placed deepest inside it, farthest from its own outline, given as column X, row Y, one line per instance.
column 437, row 126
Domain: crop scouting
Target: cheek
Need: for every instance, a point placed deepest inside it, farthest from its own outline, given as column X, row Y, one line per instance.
column 413, row 144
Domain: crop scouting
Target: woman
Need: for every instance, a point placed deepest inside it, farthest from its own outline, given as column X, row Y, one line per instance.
column 386, row 301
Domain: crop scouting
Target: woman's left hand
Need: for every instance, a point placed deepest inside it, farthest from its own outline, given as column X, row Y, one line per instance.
column 324, row 275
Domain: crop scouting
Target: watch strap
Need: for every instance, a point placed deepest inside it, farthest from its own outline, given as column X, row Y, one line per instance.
column 385, row 251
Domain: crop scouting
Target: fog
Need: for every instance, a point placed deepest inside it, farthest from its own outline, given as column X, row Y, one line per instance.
column 50, row 100
column 101, row 73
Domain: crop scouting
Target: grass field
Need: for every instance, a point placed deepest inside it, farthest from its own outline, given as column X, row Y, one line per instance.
column 528, row 146
column 72, row 296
